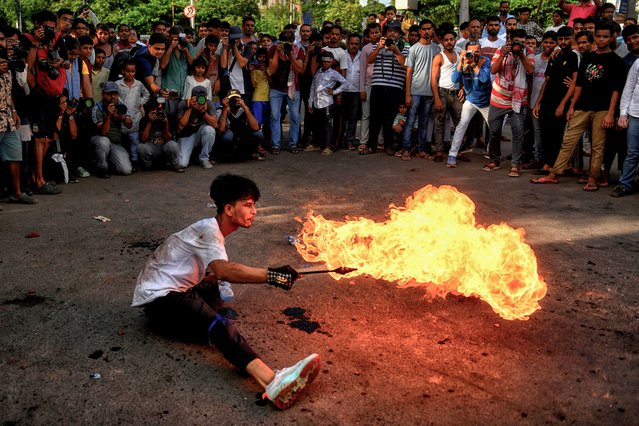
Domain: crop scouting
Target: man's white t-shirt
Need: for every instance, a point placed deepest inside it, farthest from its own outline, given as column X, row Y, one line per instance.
column 339, row 55
column 180, row 262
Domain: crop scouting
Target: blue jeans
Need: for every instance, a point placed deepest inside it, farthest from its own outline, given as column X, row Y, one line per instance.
column 205, row 136
column 276, row 98
column 420, row 105
column 627, row 179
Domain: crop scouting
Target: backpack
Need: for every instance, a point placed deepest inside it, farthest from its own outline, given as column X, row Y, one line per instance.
column 45, row 79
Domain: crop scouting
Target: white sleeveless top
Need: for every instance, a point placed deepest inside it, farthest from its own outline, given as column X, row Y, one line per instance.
column 446, row 73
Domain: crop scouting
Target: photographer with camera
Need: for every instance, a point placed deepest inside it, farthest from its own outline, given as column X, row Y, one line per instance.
column 239, row 133
column 473, row 72
column 234, row 62
column 109, row 116
column 286, row 61
column 176, row 61
column 156, row 144
column 387, row 88
column 197, row 123
column 10, row 141
column 46, row 77
column 511, row 65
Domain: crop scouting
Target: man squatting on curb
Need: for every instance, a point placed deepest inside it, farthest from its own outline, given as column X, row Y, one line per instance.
column 178, row 288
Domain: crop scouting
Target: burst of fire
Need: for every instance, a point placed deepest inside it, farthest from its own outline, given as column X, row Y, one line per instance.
column 433, row 241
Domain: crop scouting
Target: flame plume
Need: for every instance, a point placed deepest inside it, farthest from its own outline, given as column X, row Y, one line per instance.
column 433, row 241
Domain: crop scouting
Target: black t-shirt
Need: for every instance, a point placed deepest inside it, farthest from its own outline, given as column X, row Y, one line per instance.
column 564, row 65
column 599, row 75
column 156, row 135
column 196, row 119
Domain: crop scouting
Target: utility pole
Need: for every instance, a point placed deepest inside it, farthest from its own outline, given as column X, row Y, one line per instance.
column 464, row 11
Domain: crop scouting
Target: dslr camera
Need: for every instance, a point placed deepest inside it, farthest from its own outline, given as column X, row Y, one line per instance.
column 517, row 47
column 317, row 50
column 233, row 102
column 82, row 104
column 388, row 42
column 182, row 42
column 201, row 100
column 120, row 108
column 287, row 47
column 172, row 95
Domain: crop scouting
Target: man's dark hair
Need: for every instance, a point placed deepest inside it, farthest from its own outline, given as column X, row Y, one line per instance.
column 337, row 27
column 268, row 36
column 524, row 9
column 354, row 35
column 287, row 36
column 590, row 20
column 290, row 27
column 71, row 43
column 64, row 11
column 98, row 51
column 315, row 36
column 225, row 25
column 325, row 30
column 103, row 27
column 629, row 30
column 493, row 18
column 605, row 26
column 327, row 23
column 629, row 18
column 393, row 8
column 127, row 63
column 427, row 21
column 43, row 16
column 578, row 21
column 445, row 32
column 559, row 12
column 504, row 1
column 607, row 6
column 214, row 23
column 78, row 21
column 413, row 28
column 373, row 25
column 176, row 30
column 548, row 34
column 211, row 39
column 85, row 40
column 518, row 32
column 463, row 26
column 565, row 31
column 121, row 26
column 228, row 189
column 156, row 24
column 373, row 15
column 157, row 38
column 587, row 34
column 247, row 18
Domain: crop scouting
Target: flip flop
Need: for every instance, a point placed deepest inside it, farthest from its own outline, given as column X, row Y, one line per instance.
column 591, row 187
column 543, row 180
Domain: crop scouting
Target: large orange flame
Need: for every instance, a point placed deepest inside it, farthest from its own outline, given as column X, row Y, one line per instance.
column 433, row 241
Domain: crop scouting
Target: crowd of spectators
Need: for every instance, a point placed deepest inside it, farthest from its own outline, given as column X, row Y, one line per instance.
column 80, row 98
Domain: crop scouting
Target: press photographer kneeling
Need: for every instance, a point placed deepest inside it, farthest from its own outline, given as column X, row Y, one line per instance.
column 156, row 145
column 239, row 133
column 109, row 116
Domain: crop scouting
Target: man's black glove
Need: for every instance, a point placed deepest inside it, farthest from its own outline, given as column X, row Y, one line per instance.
column 282, row 277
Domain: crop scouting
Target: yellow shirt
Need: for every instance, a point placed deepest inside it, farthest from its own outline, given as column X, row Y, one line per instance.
column 261, row 92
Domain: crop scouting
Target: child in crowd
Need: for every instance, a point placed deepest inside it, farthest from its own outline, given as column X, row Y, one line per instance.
column 198, row 78
column 134, row 95
column 99, row 74
column 398, row 127
column 261, row 89
column 321, row 101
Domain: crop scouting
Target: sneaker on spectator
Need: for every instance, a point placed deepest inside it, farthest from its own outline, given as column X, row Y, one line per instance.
column 452, row 162
column 82, row 172
column 22, row 199
column 226, row 292
column 48, row 189
column 206, row 164
column 290, row 382
column 327, row 151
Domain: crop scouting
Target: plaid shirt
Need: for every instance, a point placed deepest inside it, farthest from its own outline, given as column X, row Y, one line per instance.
column 532, row 29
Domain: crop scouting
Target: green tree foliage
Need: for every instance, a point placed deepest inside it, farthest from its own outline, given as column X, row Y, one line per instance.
column 348, row 11
column 273, row 19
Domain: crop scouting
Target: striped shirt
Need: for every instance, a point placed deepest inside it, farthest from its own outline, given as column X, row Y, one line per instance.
column 387, row 71
column 512, row 71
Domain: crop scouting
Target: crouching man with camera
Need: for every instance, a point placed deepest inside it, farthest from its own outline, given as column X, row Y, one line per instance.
column 109, row 116
column 511, row 64
column 197, row 123
column 156, row 145
column 239, row 133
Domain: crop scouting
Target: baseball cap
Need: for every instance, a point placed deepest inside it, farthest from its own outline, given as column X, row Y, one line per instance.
column 235, row 33
column 234, row 93
column 198, row 90
column 110, row 87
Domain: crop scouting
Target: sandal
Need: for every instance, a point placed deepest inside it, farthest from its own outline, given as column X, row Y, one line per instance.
column 514, row 172
column 275, row 150
column 491, row 167
column 591, row 187
column 364, row 150
column 405, row 155
column 543, row 180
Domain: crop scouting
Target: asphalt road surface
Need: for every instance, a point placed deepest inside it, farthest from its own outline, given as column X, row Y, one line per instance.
column 389, row 355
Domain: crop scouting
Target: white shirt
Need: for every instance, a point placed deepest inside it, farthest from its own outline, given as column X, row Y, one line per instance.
column 630, row 96
column 133, row 97
column 352, row 73
column 340, row 56
column 180, row 262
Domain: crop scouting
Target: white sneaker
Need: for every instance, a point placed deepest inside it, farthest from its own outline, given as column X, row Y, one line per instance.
column 290, row 382
column 226, row 292
column 206, row 164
